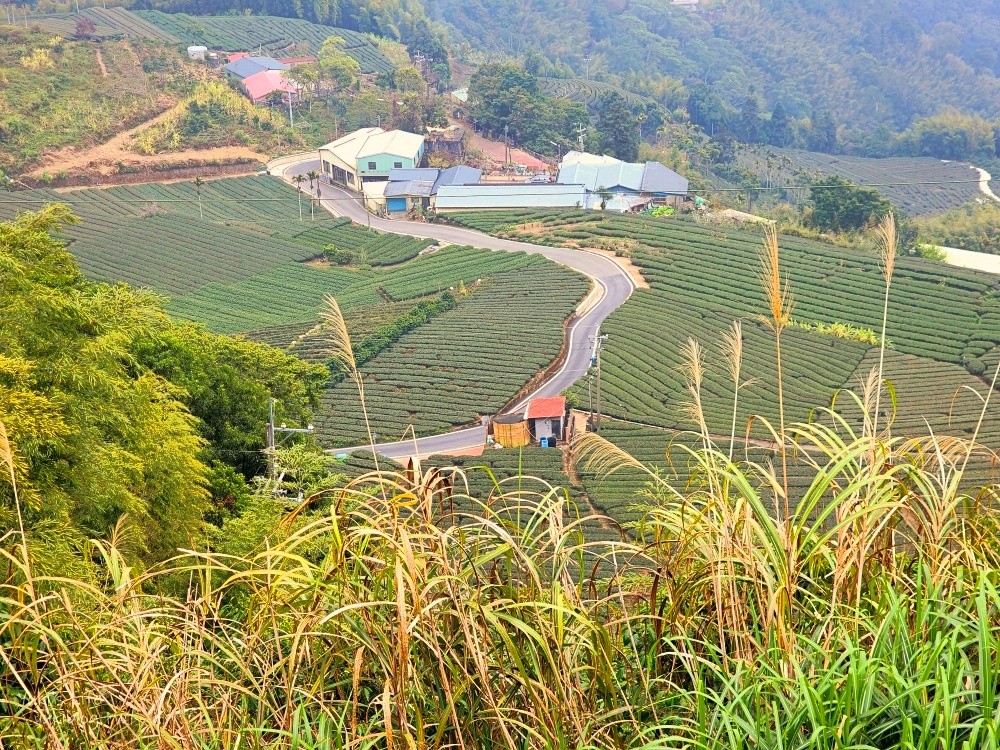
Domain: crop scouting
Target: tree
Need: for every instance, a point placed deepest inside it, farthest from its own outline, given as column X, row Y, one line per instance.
column 748, row 124
column 705, row 108
column 227, row 384
column 84, row 28
column 97, row 439
column 407, row 78
column 841, row 206
column 298, row 180
column 617, row 127
column 779, row 127
column 336, row 67
column 198, row 182
column 823, row 133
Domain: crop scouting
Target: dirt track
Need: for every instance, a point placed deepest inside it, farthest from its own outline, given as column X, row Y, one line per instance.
column 104, row 157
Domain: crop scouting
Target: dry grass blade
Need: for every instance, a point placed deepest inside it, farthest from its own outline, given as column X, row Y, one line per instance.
column 732, row 348
column 603, row 457
column 776, row 291
column 886, row 237
column 7, row 455
column 693, row 370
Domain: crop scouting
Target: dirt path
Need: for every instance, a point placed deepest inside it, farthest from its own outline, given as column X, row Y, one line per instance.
column 107, row 154
column 101, row 65
column 495, row 150
column 984, row 184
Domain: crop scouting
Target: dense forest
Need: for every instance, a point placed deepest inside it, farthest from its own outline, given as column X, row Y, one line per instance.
column 873, row 68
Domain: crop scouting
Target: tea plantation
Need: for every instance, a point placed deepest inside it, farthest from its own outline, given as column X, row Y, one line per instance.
column 238, row 259
column 944, row 332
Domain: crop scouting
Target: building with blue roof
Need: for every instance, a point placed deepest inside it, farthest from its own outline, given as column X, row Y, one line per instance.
column 248, row 66
column 631, row 186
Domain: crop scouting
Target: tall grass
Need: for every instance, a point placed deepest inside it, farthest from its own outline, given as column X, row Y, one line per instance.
column 865, row 613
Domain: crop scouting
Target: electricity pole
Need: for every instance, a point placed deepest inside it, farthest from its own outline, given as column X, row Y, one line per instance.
column 272, row 443
column 596, row 360
column 581, row 130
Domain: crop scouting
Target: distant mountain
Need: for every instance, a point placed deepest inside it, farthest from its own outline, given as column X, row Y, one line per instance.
column 869, row 63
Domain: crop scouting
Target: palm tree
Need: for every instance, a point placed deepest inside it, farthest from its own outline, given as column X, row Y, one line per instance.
column 313, row 176
column 298, row 180
column 198, row 182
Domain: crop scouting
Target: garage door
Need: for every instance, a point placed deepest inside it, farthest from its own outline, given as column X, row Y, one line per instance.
column 396, row 204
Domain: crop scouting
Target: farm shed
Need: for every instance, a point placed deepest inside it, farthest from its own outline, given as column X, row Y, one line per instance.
column 197, row 52
column 518, row 195
column 546, row 418
column 511, row 430
column 374, row 193
column 260, row 86
column 369, row 154
column 410, row 188
column 245, row 67
column 650, row 180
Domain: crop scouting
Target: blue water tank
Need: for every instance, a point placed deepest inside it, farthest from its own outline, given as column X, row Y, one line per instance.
column 544, row 442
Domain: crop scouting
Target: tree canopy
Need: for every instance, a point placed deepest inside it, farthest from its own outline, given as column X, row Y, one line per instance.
column 115, row 412
column 841, row 206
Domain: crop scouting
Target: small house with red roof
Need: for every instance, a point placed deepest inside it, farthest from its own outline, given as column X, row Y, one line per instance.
column 546, row 419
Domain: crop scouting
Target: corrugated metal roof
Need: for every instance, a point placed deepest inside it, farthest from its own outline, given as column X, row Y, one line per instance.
column 459, row 175
column 510, row 196
column 596, row 172
column 546, row 408
column 248, row 66
column 401, row 175
column 394, row 142
column 409, row 189
column 656, row 178
column 267, row 82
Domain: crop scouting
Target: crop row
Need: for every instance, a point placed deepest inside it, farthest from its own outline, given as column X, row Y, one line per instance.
column 290, row 293
column 109, row 22
column 909, row 182
column 450, row 267
column 178, row 255
column 586, row 92
column 364, row 246
column 268, row 33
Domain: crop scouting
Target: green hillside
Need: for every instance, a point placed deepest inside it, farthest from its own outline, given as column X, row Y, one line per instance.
column 868, row 64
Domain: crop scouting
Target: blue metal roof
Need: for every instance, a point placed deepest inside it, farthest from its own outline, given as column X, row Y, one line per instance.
column 460, row 175
column 402, row 175
column 520, row 195
column 651, row 177
column 409, row 189
column 656, row 178
column 248, row 66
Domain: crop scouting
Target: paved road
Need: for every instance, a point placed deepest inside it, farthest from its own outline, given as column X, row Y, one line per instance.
column 616, row 284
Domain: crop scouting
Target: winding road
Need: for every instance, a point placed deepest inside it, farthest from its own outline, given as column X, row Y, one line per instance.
column 614, row 283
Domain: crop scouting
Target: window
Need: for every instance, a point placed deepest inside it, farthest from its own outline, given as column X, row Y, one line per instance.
column 372, row 165
column 397, row 165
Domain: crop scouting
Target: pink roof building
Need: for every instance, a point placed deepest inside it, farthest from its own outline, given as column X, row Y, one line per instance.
column 234, row 56
column 261, row 85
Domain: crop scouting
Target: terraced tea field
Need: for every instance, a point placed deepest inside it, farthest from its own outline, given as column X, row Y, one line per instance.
column 956, row 182
column 241, row 262
column 272, row 34
column 108, row 22
column 587, row 92
column 461, row 365
column 943, row 325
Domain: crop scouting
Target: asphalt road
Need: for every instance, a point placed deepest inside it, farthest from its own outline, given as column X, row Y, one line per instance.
column 616, row 284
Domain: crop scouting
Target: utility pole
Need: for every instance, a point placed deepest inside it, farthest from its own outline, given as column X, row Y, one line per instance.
column 291, row 117
column 272, row 443
column 596, row 360
column 506, row 144
column 581, row 130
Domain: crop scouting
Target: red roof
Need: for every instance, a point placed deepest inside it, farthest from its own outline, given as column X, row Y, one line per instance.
column 297, row 60
column 234, row 56
column 260, row 85
column 546, row 408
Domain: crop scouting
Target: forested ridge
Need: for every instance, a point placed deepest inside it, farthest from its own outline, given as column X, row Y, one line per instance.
column 869, row 64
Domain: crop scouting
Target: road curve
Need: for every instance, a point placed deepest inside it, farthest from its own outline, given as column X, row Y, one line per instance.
column 614, row 282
